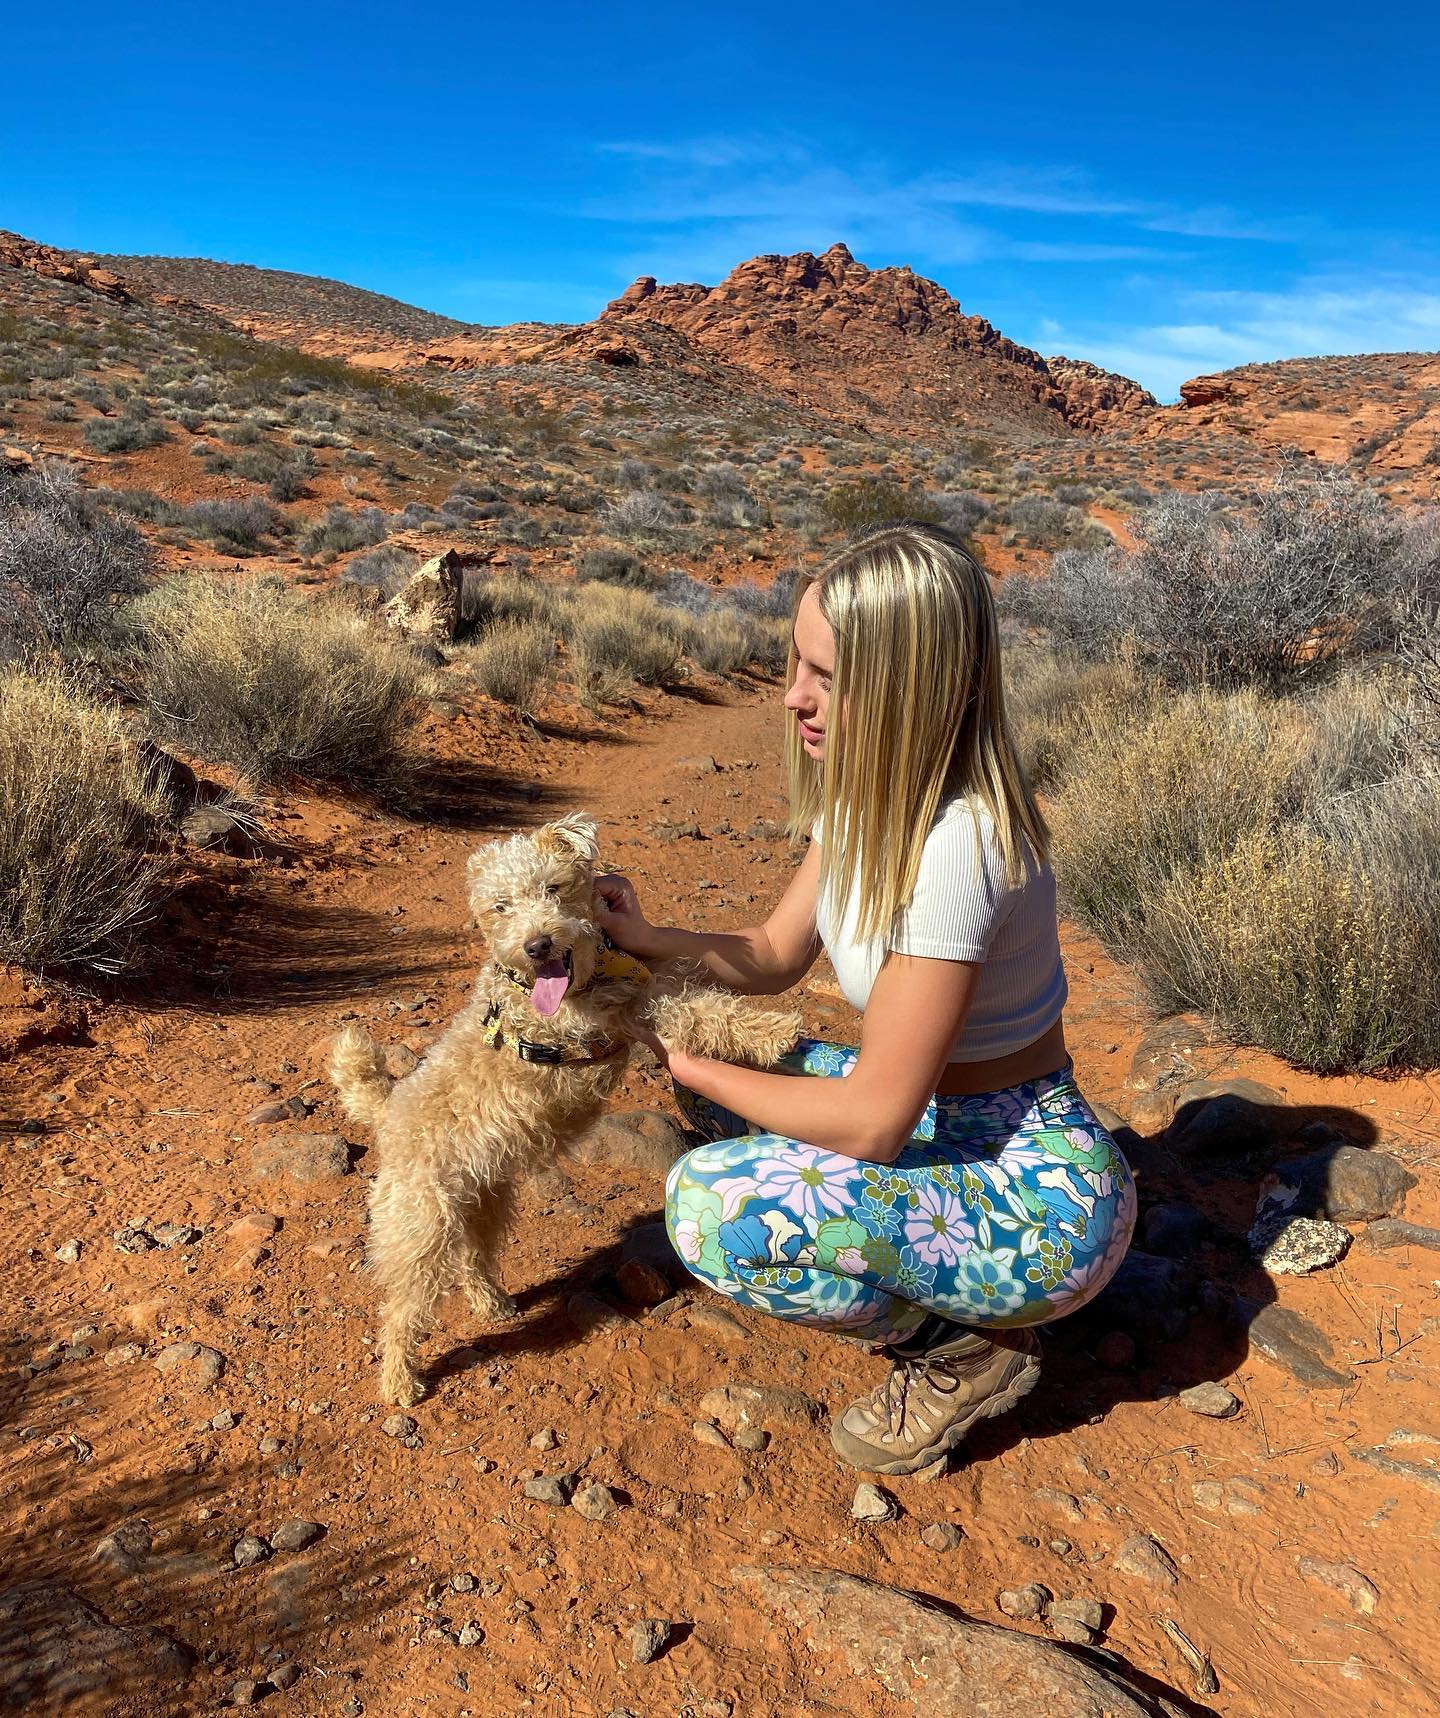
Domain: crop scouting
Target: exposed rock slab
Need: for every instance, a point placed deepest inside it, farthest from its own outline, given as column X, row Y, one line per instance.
column 55, row 1646
column 942, row 1662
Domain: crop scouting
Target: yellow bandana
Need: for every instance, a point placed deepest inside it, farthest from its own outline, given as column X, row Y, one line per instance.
column 614, row 963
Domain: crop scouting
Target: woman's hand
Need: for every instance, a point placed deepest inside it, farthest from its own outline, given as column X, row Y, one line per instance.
column 618, row 909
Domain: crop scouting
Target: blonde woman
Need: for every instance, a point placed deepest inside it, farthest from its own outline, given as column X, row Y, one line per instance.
column 953, row 1189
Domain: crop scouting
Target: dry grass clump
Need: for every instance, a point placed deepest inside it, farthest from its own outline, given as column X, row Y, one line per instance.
column 250, row 674
column 622, row 632
column 1060, row 710
column 514, row 662
column 77, row 811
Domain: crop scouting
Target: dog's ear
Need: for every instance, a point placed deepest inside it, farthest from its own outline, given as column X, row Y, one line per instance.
column 571, row 837
column 476, row 871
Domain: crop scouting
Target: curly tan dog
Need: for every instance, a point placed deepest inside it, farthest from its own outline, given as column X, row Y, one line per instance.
column 517, row 1079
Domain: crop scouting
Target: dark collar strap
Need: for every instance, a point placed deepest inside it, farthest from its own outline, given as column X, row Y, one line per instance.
column 548, row 1055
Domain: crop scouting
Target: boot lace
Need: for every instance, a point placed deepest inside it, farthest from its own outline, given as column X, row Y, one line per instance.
column 889, row 1402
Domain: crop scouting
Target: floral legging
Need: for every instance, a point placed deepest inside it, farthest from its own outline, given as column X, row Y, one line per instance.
column 1007, row 1209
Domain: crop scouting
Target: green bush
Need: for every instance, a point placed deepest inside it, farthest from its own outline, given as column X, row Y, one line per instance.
column 870, row 501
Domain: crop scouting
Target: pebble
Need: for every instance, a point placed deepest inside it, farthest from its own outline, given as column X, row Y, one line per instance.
column 545, row 1439
column 398, row 1426
column 68, row 1253
column 248, row 1551
column 555, row 1489
column 245, row 1692
column 873, row 1503
column 285, row 1675
column 191, row 1363
column 1145, row 1559
column 127, row 1547
column 1212, row 1400
column 1078, row 1621
column 735, row 1405
column 751, row 1438
column 649, row 1638
column 941, row 1536
column 707, row 1432
column 124, row 1353
column 588, row 1313
column 1025, row 1604
column 1058, row 1502
column 641, row 1283
column 471, row 1634
column 464, row 1583
column 1303, row 1245
column 595, row 1502
column 1344, row 1578
column 295, row 1535
column 225, row 1421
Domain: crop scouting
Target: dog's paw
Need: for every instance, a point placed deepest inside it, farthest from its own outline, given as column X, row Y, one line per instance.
column 401, row 1387
column 491, row 1305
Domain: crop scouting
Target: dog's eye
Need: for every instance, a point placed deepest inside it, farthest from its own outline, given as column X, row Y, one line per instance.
column 500, row 906
column 553, row 891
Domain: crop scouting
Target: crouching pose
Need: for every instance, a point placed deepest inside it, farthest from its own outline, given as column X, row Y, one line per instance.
column 943, row 1188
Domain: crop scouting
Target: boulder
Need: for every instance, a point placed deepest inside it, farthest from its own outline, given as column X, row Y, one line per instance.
column 1221, row 1118
column 428, row 608
column 941, row 1663
column 56, row 1648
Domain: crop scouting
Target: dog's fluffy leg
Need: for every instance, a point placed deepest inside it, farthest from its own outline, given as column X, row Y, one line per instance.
column 416, row 1251
column 485, row 1228
column 357, row 1066
column 730, row 1027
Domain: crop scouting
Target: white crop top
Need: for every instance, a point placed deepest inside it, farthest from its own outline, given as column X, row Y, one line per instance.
column 963, row 909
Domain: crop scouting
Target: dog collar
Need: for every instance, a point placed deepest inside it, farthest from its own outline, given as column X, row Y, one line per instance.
column 602, row 1049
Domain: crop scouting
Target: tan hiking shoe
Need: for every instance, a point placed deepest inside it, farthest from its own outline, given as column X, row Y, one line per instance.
column 936, row 1391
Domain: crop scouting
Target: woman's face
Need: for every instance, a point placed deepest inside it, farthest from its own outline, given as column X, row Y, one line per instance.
column 809, row 694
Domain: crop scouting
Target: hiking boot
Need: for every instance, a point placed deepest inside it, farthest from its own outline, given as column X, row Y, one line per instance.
column 942, row 1379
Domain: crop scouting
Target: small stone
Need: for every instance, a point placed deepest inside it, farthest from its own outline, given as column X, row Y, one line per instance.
column 1145, row 1559
column 1058, row 1502
column 465, row 1583
column 251, row 1230
column 248, row 1551
column 649, row 1638
column 1208, row 1494
column 751, row 1438
column 642, row 1284
column 296, row 1535
column 1302, row 1245
column 941, row 1536
column 1116, row 1351
column 1025, row 1604
column 554, row 1489
column 471, row 1634
column 1388, row 1232
column 1344, row 1578
column 174, row 1234
column 1212, row 1400
column 873, row 1503
column 124, row 1354
column 1078, row 1621
column 699, row 766
column 398, row 1426
column 1283, row 1335
column 126, row 1549
column 589, row 1314
column 245, row 1692
column 545, row 1439
column 707, row 1432
column 269, row 1446
column 595, row 1502
column 285, row 1675
column 734, row 1405
column 191, row 1364
column 68, row 1253
column 304, row 1156
column 225, row 1421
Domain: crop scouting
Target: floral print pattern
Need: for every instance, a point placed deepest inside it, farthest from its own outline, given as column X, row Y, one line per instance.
column 1006, row 1209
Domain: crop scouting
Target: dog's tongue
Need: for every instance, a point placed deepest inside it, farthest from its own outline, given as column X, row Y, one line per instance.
column 548, row 990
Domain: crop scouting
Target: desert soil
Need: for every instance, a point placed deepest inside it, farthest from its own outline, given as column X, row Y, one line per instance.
column 437, row 1585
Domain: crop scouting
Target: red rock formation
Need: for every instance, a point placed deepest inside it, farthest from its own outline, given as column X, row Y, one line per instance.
column 1097, row 399
column 45, row 260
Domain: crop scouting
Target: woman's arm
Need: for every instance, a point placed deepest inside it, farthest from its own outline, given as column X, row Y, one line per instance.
column 758, row 962
column 915, row 1013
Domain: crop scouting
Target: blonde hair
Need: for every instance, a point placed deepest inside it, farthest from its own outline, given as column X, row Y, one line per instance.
column 917, row 718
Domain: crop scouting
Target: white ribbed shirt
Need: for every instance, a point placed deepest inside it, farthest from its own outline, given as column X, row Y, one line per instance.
column 963, row 909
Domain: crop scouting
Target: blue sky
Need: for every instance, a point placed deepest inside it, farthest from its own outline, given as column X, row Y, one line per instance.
column 1162, row 194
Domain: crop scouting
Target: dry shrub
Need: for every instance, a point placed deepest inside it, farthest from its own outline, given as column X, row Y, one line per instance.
column 626, row 633
column 1060, row 710
column 1293, row 947
column 250, row 674
column 1175, row 791
column 77, row 809
column 512, row 662
column 722, row 644
column 487, row 598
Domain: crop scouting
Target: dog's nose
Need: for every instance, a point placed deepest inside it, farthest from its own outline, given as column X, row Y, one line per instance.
column 539, row 948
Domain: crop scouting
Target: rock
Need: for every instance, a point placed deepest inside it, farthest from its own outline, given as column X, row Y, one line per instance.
column 253, row 1229
column 717, row 1322
column 641, row 1284
column 1293, row 1342
column 1426, row 1474
column 634, row 1139
column 649, row 1638
column 545, row 1439
column 751, row 1438
column 941, row 1536
column 1116, row 1351
column 873, row 1503
column 764, row 1405
column 248, row 1551
column 1219, row 1118
column 190, row 1364
column 57, row 1648
column 1146, row 1560
column 1166, row 1055
column 554, row 1489
column 1348, row 1184
column 1388, row 1232
column 1302, row 1245
column 707, row 1432
column 68, row 1253
column 1148, row 1295
column 246, row 1691
column 939, row 1664
column 124, row 1354
column 303, row 1156
column 1062, row 1503
column 697, row 766
column 285, row 1675
column 296, row 1535
column 281, row 1109
column 175, row 1234
column 595, row 1502
column 1344, row 1578
column 1212, row 1400
column 1025, row 1604
column 428, row 608
column 649, row 1243
column 219, row 830
column 398, row 1426
column 126, row 1549
column 471, row 1634
column 1076, row 1620
column 1173, row 1229
column 589, row 1314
